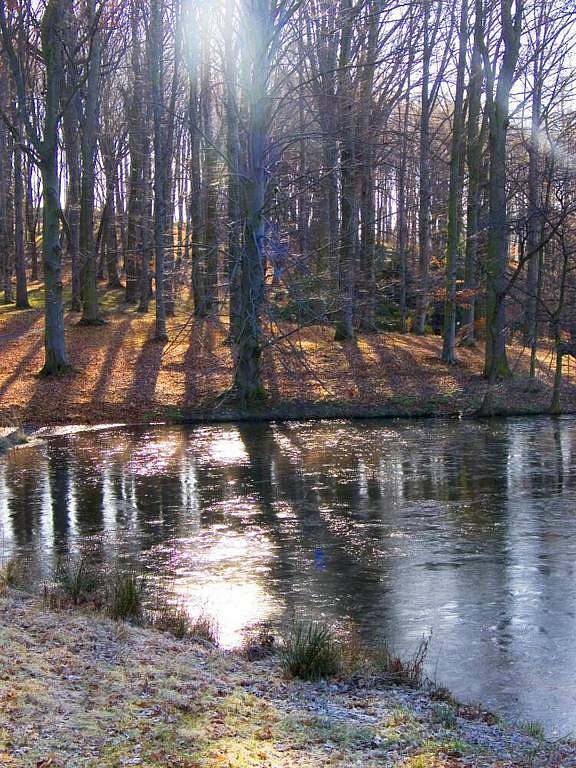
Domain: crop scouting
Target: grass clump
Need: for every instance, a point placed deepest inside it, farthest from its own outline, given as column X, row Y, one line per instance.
column 409, row 671
column 534, row 729
column 76, row 582
column 173, row 619
column 258, row 642
column 126, row 596
column 444, row 695
column 10, row 574
column 444, row 715
column 204, row 627
column 310, row 651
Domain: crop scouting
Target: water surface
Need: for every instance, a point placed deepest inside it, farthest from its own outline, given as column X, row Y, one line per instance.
column 465, row 529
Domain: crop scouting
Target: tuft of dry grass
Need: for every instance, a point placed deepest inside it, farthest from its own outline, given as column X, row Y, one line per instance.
column 259, row 641
column 173, row 619
column 11, row 574
column 400, row 670
column 204, row 627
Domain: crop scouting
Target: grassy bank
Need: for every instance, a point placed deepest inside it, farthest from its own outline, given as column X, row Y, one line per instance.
column 122, row 375
column 79, row 689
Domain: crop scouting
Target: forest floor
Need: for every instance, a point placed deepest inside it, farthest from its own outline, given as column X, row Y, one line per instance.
column 77, row 689
column 122, row 375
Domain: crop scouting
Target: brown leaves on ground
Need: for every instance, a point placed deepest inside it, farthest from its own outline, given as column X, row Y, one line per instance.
column 122, row 374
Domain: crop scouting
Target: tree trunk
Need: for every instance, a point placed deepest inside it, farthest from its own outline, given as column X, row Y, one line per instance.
column 534, row 216
column 31, row 223
column 454, row 196
column 133, row 254
column 348, row 199
column 210, row 195
column 367, row 290
column 248, row 343
column 5, row 217
column 233, row 162
column 401, row 227
column 19, row 250
column 56, row 355
column 89, row 134
column 474, row 163
column 496, row 362
column 424, row 245
column 157, row 92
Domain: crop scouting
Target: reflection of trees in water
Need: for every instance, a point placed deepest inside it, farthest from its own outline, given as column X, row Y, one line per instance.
column 332, row 500
column 320, row 529
column 60, row 491
column 24, row 491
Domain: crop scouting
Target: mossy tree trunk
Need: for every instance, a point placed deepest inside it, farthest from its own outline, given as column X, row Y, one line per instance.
column 496, row 361
column 454, row 196
column 475, row 144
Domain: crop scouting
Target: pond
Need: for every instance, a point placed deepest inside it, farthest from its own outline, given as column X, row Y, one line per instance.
column 463, row 529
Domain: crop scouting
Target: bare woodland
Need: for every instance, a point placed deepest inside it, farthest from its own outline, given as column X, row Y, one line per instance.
column 362, row 165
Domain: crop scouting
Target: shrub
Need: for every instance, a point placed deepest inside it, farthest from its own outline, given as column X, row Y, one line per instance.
column 76, row 579
column 126, row 596
column 388, row 315
column 310, row 651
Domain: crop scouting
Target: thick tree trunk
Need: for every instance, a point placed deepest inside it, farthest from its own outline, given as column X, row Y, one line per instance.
column 234, row 214
column 367, row 291
column 210, row 206
column 196, row 218
column 248, row 343
column 56, row 355
column 496, row 362
column 6, row 220
column 71, row 106
column 137, row 144
column 31, row 224
column 402, row 227
column 168, row 133
column 534, row 216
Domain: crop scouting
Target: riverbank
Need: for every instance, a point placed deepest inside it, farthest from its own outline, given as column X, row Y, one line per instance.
column 81, row 690
column 122, row 375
